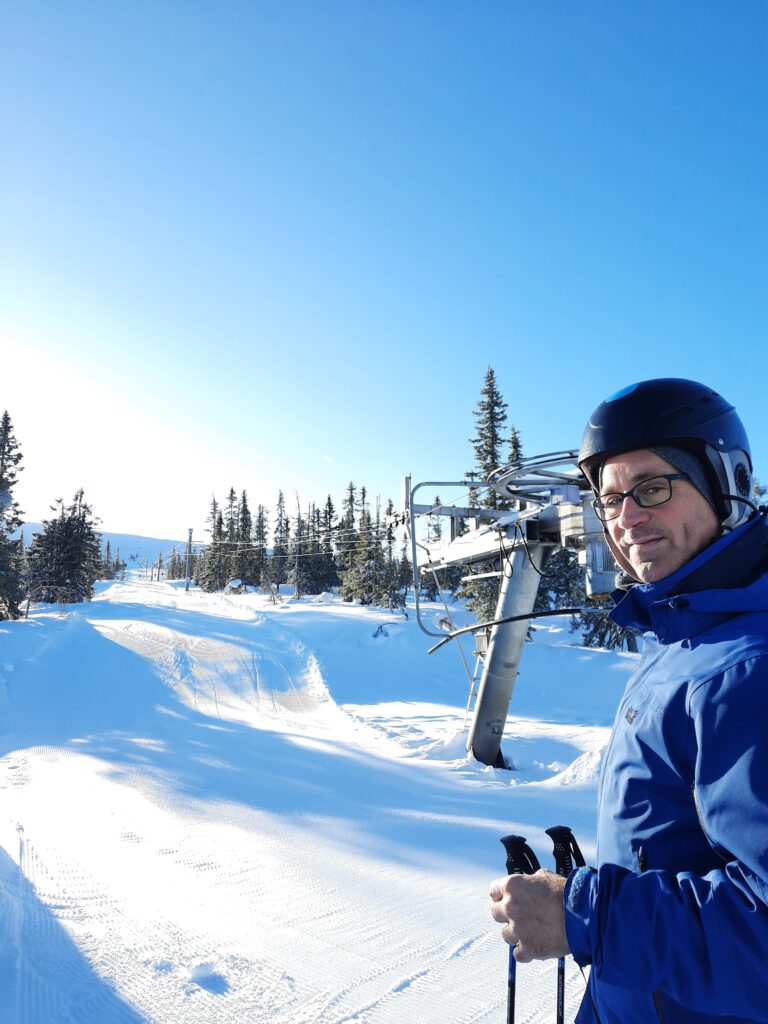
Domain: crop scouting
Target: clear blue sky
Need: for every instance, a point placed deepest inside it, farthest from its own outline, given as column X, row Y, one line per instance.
column 276, row 244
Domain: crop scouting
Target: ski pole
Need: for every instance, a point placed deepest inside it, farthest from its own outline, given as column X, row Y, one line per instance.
column 567, row 854
column 521, row 860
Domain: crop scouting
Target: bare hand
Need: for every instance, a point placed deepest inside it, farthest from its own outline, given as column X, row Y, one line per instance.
column 531, row 909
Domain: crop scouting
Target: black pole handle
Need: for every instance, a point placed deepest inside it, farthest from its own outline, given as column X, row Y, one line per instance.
column 566, row 850
column 521, row 860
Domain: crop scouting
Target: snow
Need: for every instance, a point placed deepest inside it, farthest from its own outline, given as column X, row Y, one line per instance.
column 214, row 808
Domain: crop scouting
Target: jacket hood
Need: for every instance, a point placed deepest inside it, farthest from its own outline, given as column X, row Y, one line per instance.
column 726, row 578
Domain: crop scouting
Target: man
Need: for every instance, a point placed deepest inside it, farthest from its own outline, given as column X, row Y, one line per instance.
column 674, row 918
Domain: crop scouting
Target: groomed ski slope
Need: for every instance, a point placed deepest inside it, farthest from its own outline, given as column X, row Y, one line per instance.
column 217, row 809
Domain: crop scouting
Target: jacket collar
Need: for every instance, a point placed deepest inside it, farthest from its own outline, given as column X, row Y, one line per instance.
column 725, row 578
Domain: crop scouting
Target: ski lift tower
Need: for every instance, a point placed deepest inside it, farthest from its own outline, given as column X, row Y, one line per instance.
column 551, row 507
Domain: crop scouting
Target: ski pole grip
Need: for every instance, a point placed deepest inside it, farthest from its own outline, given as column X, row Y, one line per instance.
column 566, row 850
column 521, row 860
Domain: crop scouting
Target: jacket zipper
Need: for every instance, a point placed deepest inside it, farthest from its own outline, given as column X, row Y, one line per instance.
column 641, row 859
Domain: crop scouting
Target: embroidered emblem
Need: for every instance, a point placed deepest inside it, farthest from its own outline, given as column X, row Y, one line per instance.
column 631, row 715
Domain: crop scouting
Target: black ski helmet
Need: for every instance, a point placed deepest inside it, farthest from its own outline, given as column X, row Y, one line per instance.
column 685, row 414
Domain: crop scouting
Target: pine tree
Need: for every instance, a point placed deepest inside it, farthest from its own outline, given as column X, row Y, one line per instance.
column 373, row 576
column 230, row 517
column 297, row 575
column 175, row 570
column 243, row 564
column 281, row 539
column 404, row 570
column 259, row 540
column 64, row 561
column 346, row 533
column 330, row 573
column 11, row 552
column 490, row 417
column 434, row 525
column 515, row 445
column 598, row 630
column 562, row 585
column 212, row 568
column 108, row 564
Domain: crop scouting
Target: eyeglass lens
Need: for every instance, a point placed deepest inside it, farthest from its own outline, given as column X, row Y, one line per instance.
column 646, row 494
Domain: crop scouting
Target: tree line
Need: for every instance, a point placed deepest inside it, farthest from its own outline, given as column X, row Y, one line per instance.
column 314, row 550
column 352, row 550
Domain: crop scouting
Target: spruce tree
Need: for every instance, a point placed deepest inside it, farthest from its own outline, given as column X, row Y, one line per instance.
column 259, row 540
column 562, row 585
column 281, row 539
column 515, row 445
column 490, row 417
column 175, row 569
column 599, row 630
column 108, row 564
column 330, row 573
column 64, row 561
column 346, row 533
column 242, row 561
column 212, row 567
column 11, row 552
column 296, row 574
column 230, row 517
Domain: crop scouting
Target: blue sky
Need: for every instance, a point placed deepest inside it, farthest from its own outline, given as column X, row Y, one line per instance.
column 276, row 245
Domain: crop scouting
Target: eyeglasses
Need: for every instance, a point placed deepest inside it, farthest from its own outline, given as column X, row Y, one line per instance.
column 646, row 494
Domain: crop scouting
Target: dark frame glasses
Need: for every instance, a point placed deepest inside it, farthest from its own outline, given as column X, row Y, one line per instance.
column 656, row 490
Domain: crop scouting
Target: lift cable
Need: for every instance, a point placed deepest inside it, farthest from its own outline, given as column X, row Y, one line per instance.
column 508, row 618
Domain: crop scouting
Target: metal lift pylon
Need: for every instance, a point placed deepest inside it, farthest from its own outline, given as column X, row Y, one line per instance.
column 552, row 509
column 517, row 595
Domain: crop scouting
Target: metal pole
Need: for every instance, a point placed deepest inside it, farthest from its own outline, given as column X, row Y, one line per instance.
column 521, row 860
column 517, row 595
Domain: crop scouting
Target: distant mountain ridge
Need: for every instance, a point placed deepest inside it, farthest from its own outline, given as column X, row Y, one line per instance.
column 134, row 549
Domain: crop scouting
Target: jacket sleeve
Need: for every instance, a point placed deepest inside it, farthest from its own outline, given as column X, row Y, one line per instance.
column 701, row 939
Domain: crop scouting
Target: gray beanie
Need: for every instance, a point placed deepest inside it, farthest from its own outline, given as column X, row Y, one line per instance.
column 688, row 463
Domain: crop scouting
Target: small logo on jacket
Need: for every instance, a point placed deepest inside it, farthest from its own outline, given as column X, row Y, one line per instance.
column 630, row 715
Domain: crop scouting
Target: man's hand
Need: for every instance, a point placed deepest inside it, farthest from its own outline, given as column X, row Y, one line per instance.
column 531, row 909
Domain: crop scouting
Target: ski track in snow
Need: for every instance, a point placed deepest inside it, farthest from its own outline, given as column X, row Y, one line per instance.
column 205, row 832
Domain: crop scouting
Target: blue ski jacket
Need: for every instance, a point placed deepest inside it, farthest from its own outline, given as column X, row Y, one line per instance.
column 674, row 918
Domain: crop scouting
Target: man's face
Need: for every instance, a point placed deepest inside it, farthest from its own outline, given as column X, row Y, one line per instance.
column 653, row 542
